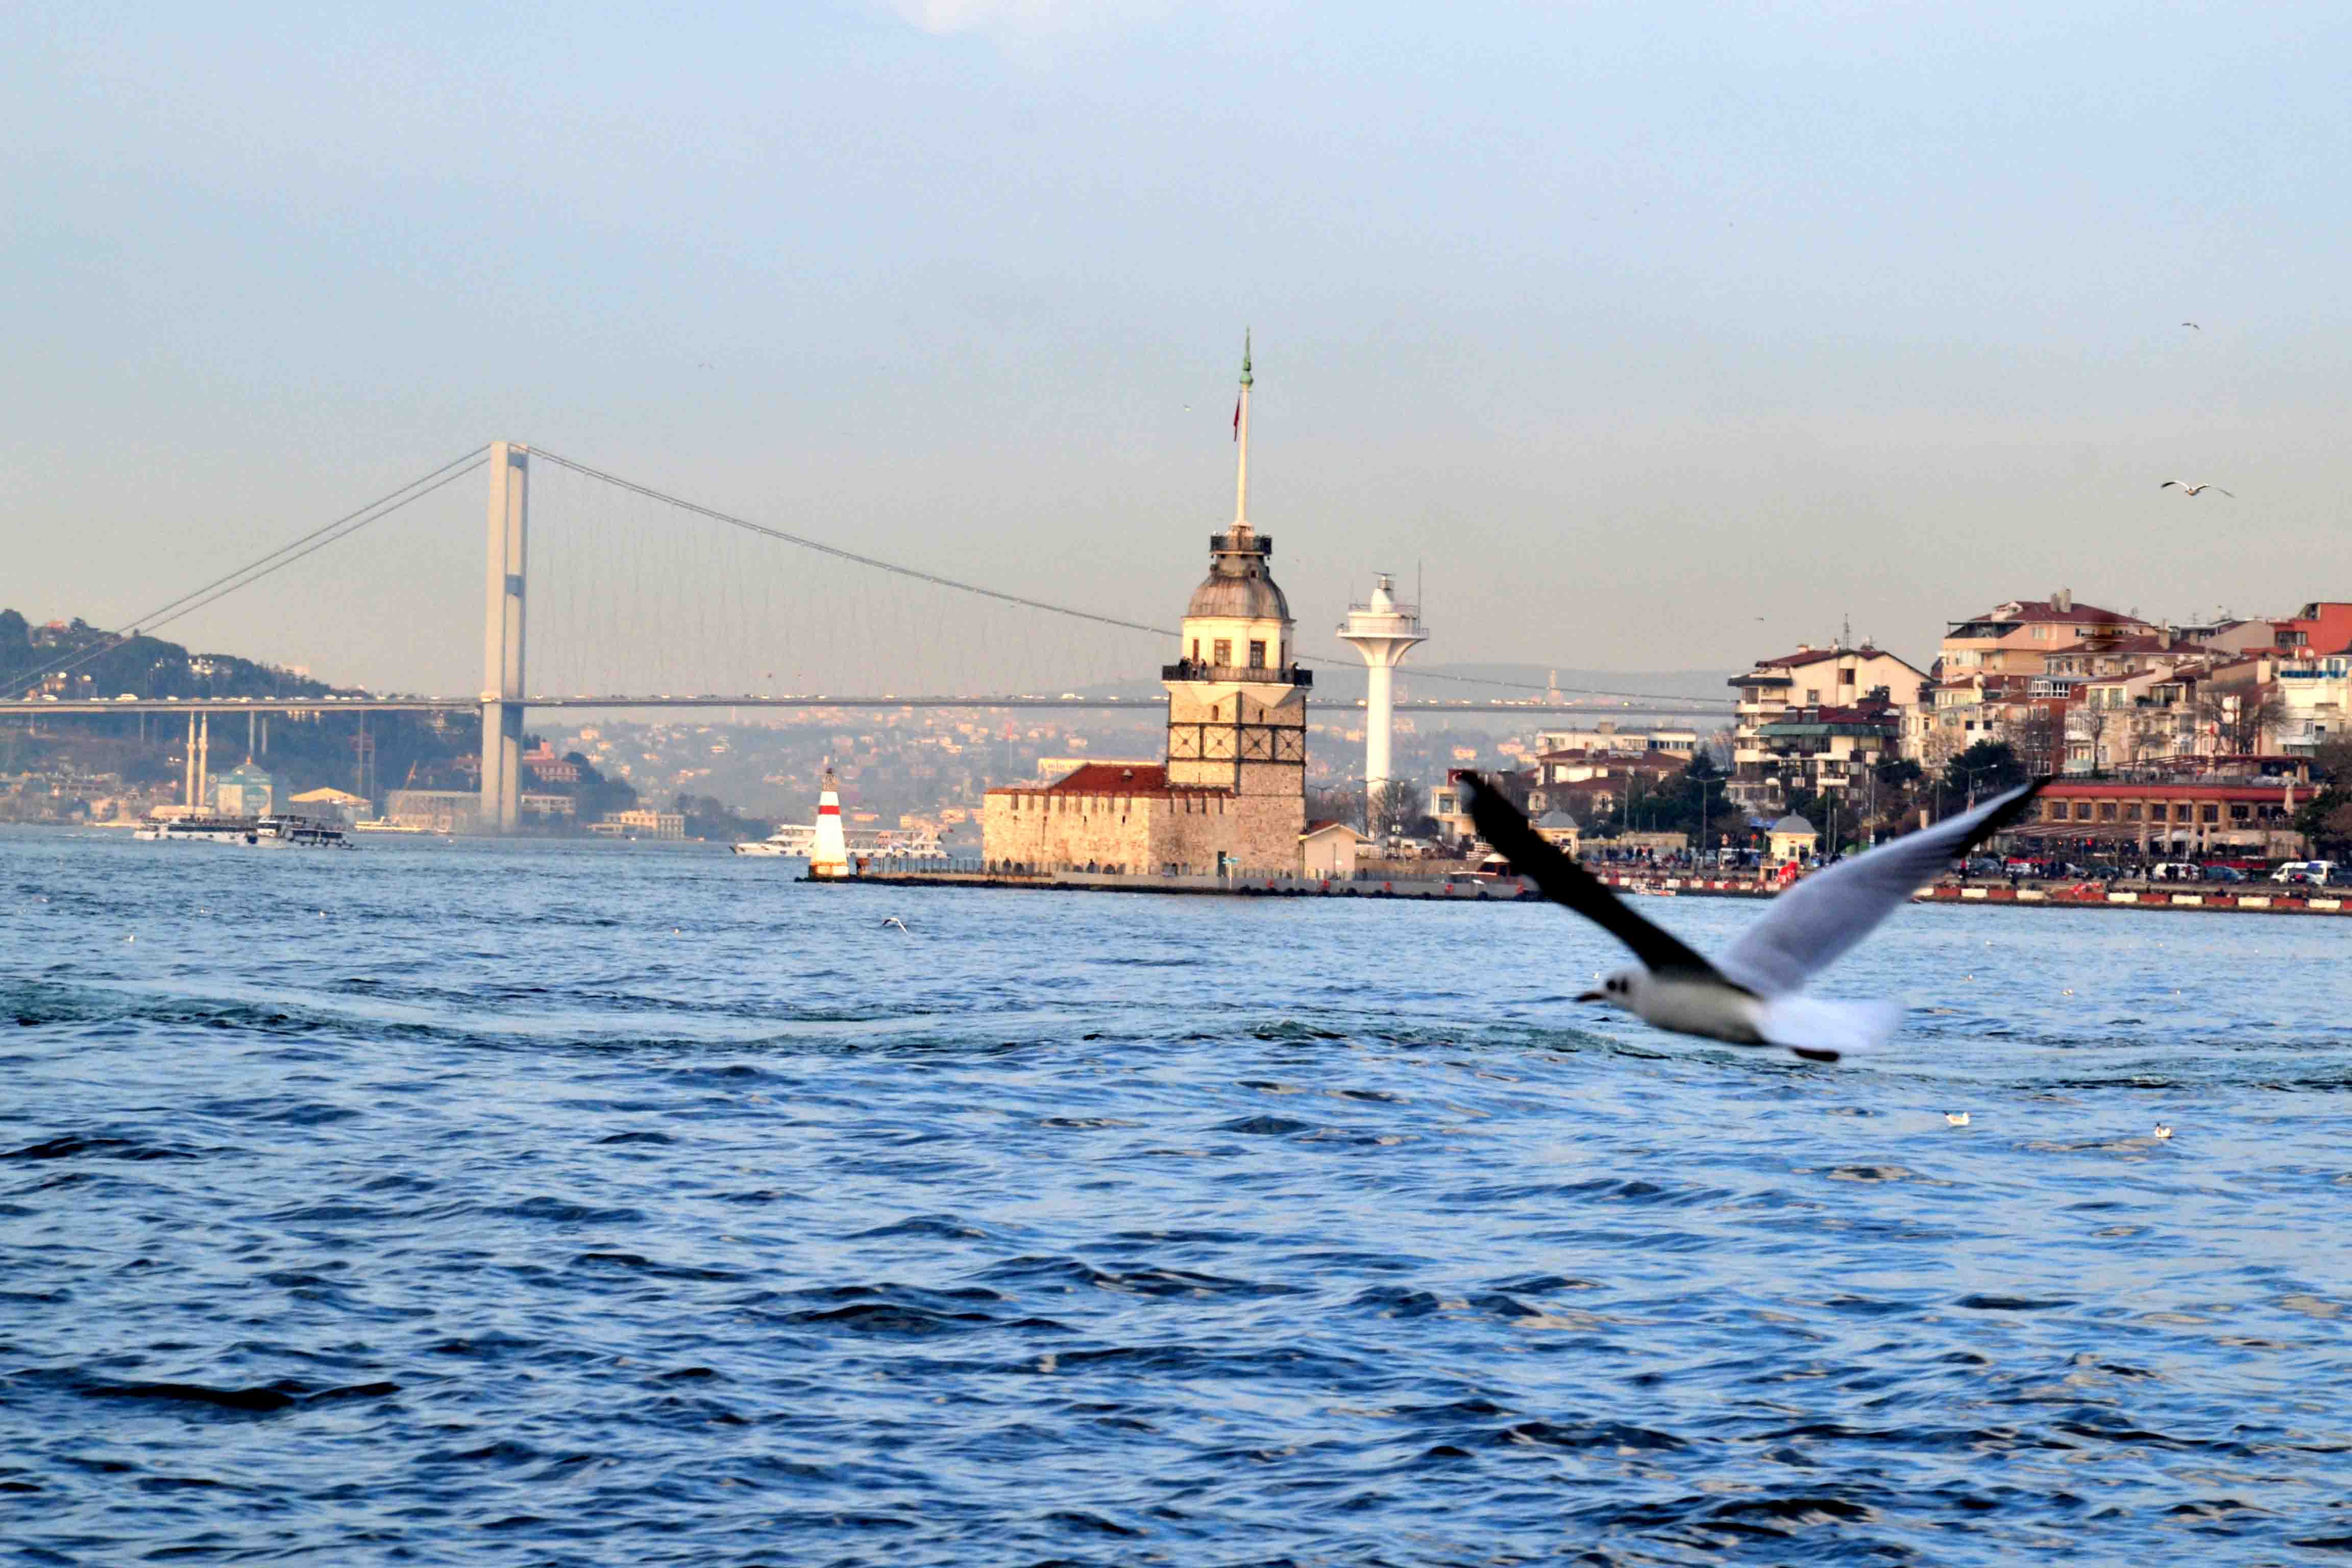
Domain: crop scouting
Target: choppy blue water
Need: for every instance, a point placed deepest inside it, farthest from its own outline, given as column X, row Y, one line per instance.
column 554, row 1206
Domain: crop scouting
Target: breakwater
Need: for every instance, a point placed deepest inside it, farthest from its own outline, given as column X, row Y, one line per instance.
column 1473, row 889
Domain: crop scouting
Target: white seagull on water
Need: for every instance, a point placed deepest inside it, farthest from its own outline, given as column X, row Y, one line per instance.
column 1750, row 996
column 2188, row 490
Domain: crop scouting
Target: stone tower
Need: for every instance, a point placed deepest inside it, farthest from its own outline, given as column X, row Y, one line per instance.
column 1236, row 697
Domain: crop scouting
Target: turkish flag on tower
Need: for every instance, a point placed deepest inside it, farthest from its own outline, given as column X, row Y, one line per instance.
column 1237, row 419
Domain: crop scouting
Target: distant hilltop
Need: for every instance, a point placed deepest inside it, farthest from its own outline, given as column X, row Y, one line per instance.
column 74, row 659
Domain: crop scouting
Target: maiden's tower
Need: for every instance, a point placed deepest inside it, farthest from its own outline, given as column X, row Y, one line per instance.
column 1231, row 795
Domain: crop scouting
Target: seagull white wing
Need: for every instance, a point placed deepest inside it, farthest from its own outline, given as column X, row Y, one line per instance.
column 1810, row 926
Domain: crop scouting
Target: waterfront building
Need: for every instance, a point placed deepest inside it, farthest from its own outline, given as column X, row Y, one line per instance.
column 437, row 810
column 2249, row 816
column 1330, row 849
column 1231, row 797
column 244, row 790
column 1836, row 678
column 332, row 804
column 641, row 824
column 1792, row 838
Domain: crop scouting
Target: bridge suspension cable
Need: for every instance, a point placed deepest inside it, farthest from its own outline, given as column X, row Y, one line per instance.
column 899, row 569
column 261, row 566
column 896, row 568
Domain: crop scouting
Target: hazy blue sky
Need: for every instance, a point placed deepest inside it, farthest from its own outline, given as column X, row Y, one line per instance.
column 1635, row 322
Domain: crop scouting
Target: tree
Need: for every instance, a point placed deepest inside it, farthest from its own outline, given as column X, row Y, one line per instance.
column 1342, row 805
column 1987, row 768
column 2327, row 818
column 1396, row 807
column 2240, row 716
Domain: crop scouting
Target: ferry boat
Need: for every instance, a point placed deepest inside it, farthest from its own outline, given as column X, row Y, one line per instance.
column 277, row 832
column 199, row 830
column 298, row 833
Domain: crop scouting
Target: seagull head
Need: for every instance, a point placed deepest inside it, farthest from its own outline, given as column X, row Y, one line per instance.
column 1617, row 989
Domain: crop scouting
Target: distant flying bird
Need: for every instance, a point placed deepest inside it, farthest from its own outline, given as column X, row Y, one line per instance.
column 895, row 920
column 1957, row 1117
column 2188, row 488
column 2193, row 324
column 1751, row 996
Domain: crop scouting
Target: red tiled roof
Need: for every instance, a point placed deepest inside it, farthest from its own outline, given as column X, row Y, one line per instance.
column 1112, row 779
column 2116, row 789
column 1815, row 656
column 2041, row 610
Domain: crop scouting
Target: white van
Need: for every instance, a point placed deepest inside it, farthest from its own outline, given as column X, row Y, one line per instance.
column 2314, row 871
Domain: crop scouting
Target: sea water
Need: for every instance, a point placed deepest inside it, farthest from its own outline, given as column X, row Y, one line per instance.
column 573, row 1204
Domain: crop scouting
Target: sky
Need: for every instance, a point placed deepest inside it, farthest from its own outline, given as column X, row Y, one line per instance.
column 1644, row 337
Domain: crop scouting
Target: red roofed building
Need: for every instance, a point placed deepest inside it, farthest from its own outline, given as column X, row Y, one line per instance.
column 2018, row 638
column 1809, row 678
column 2253, row 815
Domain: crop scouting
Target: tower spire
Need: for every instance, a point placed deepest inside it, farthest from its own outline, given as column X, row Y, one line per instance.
column 1241, row 435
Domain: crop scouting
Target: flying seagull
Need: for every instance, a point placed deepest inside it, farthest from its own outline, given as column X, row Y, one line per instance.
column 1751, row 995
column 2190, row 490
column 894, row 920
column 2192, row 325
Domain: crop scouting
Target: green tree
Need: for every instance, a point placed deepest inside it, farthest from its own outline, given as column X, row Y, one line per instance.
column 2327, row 818
column 1987, row 768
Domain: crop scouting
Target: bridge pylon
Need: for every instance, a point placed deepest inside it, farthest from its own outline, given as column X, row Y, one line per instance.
column 502, row 644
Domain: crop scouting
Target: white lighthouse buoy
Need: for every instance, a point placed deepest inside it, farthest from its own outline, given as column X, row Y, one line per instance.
column 830, row 857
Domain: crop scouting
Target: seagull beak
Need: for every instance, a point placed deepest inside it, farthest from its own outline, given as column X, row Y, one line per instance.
column 1594, row 996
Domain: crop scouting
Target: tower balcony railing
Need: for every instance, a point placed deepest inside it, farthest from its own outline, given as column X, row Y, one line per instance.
column 1255, row 674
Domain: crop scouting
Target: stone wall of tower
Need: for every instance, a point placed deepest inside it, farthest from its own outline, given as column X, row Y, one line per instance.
column 1142, row 835
column 1232, row 737
column 1047, row 832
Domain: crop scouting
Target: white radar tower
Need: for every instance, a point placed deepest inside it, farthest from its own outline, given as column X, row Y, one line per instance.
column 1383, row 631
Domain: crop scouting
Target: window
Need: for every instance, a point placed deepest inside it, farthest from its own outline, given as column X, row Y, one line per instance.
column 2106, row 811
column 1223, row 649
column 2239, row 812
column 1196, row 650
column 2210, row 813
column 1812, row 697
column 1257, row 656
column 2131, row 811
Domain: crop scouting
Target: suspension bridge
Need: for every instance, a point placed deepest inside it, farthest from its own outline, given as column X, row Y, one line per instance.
column 719, row 627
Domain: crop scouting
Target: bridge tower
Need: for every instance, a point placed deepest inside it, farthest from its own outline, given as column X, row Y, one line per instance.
column 502, row 689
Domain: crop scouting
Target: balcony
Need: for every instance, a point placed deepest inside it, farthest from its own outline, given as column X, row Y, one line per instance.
column 1245, row 674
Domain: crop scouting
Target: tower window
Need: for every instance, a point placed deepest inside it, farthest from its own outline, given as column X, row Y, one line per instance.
column 1225, row 651
column 1196, row 650
column 1257, row 656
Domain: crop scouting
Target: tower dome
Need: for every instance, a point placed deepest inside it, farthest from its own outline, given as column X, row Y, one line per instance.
column 1240, row 585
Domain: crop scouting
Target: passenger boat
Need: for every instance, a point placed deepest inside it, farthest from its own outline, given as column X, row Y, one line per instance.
column 300, row 833
column 198, row 829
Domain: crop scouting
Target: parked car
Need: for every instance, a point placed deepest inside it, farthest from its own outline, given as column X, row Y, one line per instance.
column 2303, row 871
column 2224, row 874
